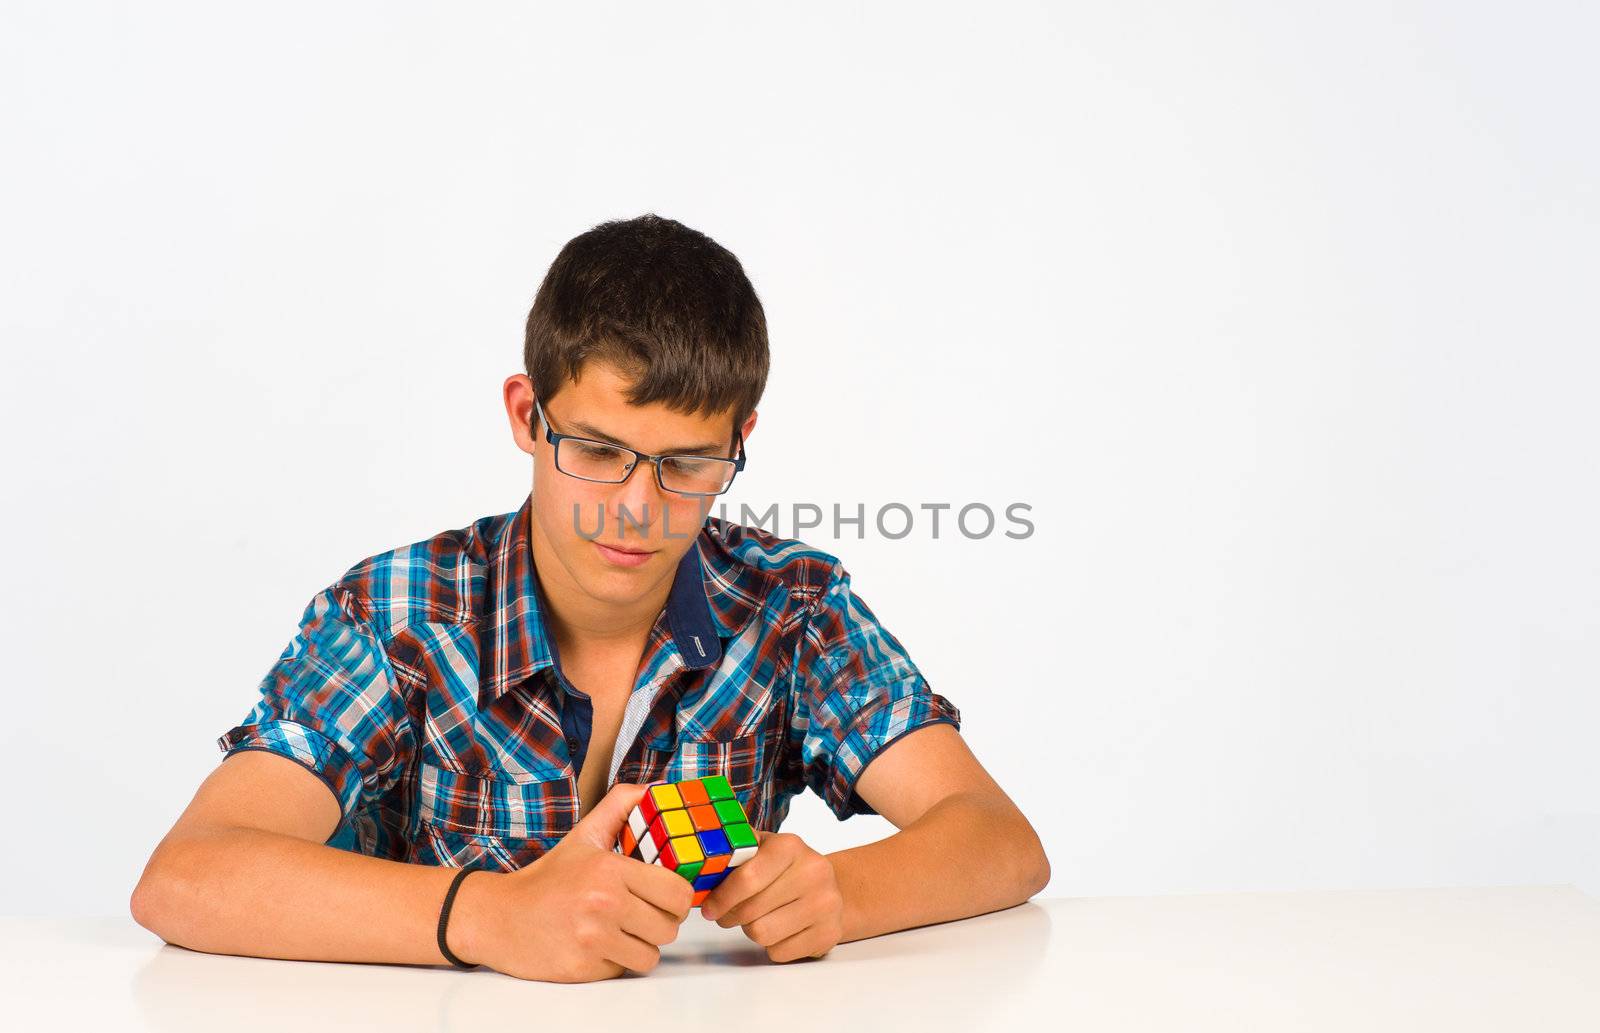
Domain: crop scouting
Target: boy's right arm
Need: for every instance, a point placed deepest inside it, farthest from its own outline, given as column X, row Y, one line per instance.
column 246, row 870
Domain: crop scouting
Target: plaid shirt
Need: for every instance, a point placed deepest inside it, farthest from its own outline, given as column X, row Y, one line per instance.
column 424, row 689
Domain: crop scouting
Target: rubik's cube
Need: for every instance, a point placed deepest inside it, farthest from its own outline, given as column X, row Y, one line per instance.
column 696, row 828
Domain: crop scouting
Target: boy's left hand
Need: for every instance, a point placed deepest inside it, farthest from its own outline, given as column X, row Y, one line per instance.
column 786, row 898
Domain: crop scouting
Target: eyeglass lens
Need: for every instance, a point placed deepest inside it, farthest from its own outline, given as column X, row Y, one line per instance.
column 597, row 461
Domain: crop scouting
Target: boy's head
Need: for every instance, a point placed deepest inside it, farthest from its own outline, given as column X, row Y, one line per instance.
column 648, row 334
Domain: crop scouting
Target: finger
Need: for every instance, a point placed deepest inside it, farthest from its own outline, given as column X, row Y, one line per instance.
column 649, row 923
column 654, row 884
column 631, row 953
column 602, row 825
column 810, row 942
column 765, row 901
column 781, row 923
column 746, row 881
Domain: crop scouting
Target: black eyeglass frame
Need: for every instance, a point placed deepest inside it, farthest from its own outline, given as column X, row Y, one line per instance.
column 555, row 438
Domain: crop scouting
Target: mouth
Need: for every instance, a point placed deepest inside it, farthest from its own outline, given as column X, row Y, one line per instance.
column 623, row 556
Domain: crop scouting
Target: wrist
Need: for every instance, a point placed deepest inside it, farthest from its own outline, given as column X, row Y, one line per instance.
column 846, row 868
column 466, row 934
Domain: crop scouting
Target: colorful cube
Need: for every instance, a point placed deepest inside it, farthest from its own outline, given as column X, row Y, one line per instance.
column 696, row 828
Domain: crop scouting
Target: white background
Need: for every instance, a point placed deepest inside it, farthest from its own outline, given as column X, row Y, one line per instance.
column 1281, row 317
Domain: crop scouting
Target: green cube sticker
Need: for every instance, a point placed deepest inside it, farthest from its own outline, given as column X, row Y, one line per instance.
column 740, row 836
column 729, row 812
column 689, row 871
column 717, row 787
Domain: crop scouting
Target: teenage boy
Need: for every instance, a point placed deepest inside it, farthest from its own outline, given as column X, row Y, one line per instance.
column 493, row 699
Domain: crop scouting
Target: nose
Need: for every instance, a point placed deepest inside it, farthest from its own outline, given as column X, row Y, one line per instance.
column 638, row 502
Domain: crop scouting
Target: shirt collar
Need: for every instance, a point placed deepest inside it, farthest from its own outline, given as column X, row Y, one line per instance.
column 713, row 597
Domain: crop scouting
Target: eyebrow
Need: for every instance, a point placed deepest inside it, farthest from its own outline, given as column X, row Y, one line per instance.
column 600, row 435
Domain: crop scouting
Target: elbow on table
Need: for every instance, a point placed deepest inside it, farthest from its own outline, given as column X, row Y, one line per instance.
column 1027, row 870
column 145, row 905
column 144, row 909
column 151, row 902
column 1031, row 871
column 1037, row 872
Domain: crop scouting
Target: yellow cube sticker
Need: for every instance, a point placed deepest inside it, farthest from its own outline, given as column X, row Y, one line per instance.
column 688, row 850
column 677, row 823
column 666, row 797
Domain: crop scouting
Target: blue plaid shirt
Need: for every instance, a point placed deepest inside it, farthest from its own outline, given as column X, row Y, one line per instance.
column 423, row 689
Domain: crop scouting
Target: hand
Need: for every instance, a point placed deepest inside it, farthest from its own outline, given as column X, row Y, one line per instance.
column 579, row 913
column 786, row 898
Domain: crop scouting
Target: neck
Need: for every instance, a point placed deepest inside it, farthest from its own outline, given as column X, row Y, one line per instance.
column 582, row 623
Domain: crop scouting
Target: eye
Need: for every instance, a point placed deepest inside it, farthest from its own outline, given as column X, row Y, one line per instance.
column 596, row 451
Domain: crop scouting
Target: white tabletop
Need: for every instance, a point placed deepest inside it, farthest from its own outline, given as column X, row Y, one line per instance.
column 1456, row 960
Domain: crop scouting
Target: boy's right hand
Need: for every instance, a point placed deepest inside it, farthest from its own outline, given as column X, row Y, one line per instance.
column 579, row 913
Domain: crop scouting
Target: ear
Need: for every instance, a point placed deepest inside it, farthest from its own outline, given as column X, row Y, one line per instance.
column 518, row 395
column 749, row 425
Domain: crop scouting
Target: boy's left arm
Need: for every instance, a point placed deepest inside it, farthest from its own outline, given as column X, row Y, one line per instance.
column 963, row 848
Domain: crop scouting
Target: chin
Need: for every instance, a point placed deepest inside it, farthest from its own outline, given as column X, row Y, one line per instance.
column 627, row 579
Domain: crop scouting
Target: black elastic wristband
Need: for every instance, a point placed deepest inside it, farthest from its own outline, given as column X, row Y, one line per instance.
column 444, row 918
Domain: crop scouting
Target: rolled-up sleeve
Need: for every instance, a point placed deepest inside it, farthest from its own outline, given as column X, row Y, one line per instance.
column 331, row 704
column 855, row 691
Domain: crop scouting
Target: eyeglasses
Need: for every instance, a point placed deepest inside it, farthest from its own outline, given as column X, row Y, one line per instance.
column 610, row 463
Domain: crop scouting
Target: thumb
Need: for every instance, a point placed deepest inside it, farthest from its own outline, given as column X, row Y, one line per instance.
column 601, row 826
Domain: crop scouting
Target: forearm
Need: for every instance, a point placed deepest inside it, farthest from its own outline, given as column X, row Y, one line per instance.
column 968, row 855
column 250, row 892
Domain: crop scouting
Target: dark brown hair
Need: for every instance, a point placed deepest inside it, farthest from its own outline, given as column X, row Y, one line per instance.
column 668, row 306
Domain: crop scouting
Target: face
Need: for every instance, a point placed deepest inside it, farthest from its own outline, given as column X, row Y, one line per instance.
column 650, row 528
